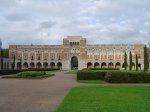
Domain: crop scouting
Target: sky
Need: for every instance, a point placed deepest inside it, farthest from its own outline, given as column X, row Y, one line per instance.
column 46, row 22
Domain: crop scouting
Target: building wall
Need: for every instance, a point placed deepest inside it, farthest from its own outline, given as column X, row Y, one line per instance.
column 53, row 56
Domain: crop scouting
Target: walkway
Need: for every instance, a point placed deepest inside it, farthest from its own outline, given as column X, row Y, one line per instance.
column 21, row 95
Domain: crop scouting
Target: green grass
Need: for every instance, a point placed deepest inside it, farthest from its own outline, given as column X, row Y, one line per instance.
column 30, row 75
column 92, row 81
column 72, row 72
column 107, row 99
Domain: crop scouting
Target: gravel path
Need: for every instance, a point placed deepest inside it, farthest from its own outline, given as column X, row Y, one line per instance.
column 21, row 95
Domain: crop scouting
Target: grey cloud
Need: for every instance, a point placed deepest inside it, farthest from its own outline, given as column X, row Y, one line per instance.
column 47, row 24
column 16, row 17
column 100, row 21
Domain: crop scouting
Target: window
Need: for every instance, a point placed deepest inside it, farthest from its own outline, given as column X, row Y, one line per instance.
column 45, row 58
column 38, row 57
column 32, row 58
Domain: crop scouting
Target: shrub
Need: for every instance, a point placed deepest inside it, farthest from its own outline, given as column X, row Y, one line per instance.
column 127, row 77
column 105, row 69
column 30, row 75
column 90, row 75
column 8, row 72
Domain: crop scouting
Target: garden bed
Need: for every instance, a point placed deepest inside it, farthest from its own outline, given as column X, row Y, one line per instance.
column 30, row 75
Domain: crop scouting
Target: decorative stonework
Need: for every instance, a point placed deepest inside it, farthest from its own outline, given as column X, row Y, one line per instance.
column 53, row 56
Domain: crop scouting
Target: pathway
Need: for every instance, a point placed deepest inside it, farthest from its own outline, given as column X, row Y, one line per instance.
column 21, row 95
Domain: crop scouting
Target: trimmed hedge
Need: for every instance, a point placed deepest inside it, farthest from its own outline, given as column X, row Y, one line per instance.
column 105, row 69
column 90, row 75
column 114, row 77
column 8, row 72
column 127, row 77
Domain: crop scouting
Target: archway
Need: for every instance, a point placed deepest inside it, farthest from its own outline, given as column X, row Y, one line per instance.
column 89, row 65
column 25, row 65
column 32, row 65
column 74, row 62
column 110, row 65
column 45, row 65
column 38, row 65
column 118, row 65
column 59, row 65
column 96, row 65
column 52, row 65
column 19, row 65
column 103, row 65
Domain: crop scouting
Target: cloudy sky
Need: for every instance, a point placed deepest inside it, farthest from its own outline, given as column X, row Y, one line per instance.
column 49, row 21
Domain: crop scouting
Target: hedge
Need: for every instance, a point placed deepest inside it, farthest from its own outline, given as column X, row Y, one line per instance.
column 8, row 72
column 90, row 75
column 127, row 77
column 105, row 69
column 114, row 77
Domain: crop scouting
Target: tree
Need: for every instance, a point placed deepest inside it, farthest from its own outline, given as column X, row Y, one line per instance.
column 5, row 53
column 1, row 59
column 13, row 65
column 130, row 61
column 137, row 62
column 125, row 61
column 146, row 64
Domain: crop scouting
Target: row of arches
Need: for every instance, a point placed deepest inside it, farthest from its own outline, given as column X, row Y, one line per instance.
column 109, row 65
column 39, row 65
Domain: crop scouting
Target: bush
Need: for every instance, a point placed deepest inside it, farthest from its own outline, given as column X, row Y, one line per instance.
column 105, row 69
column 30, row 75
column 127, row 77
column 8, row 72
column 90, row 75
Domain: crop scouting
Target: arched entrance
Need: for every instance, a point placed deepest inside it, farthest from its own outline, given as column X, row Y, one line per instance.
column 74, row 62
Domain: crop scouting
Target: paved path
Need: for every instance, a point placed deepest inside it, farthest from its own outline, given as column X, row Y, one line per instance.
column 21, row 95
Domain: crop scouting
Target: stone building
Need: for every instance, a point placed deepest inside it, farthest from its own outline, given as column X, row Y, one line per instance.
column 74, row 48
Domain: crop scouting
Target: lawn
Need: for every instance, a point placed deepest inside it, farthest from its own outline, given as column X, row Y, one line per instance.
column 72, row 72
column 107, row 99
column 92, row 81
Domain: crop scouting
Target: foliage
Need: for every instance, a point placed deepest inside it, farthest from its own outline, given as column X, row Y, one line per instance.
column 90, row 75
column 146, row 64
column 5, row 53
column 30, row 75
column 125, row 61
column 127, row 77
column 8, row 72
column 1, row 58
column 137, row 63
column 115, row 76
column 74, row 62
column 130, row 66
column 107, row 99
column 104, row 68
